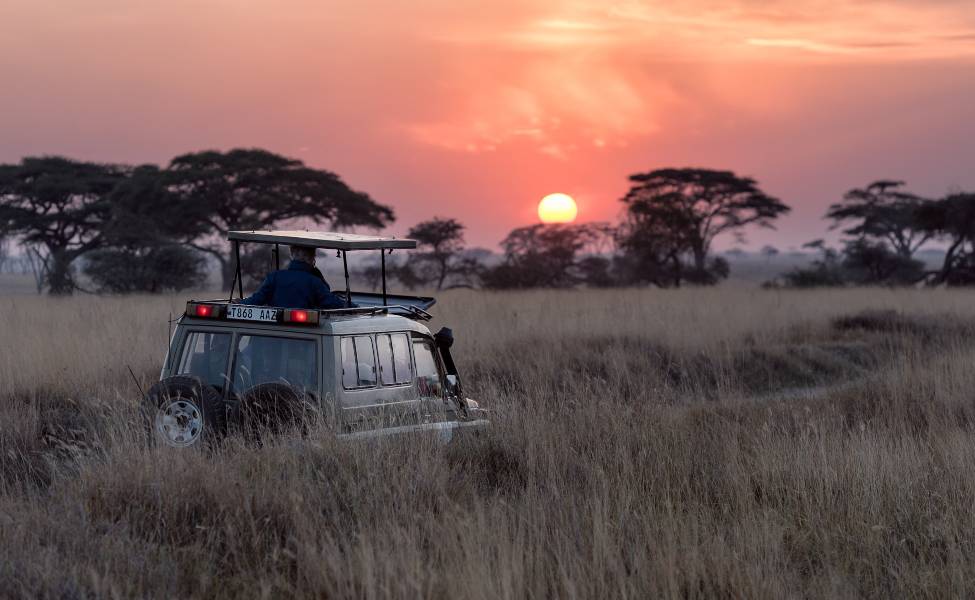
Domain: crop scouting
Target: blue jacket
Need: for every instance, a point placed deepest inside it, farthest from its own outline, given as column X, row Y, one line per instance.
column 298, row 286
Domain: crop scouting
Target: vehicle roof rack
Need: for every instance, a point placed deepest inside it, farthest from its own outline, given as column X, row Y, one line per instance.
column 412, row 312
column 343, row 242
column 323, row 239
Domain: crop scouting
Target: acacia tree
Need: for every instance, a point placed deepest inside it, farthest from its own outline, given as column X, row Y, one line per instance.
column 692, row 207
column 440, row 241
column 883, row 211
column 653, row 239
column 58, row 208
column 247, row 189
column 953, row 219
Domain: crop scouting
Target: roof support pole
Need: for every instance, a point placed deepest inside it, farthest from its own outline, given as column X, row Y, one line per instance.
column 237, row 275
column 348, row 290
column 382, row 254
column 277, row 257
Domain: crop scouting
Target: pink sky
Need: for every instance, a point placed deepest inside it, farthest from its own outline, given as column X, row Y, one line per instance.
column 477, row 110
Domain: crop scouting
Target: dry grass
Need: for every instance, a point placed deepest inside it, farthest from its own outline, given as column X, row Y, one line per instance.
column 687, row 443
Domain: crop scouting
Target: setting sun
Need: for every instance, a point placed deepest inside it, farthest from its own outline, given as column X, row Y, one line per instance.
column 557, row 208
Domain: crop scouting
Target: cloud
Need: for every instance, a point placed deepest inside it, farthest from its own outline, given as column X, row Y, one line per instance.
column 558, row 104
column 577, row 71
column 803, row 45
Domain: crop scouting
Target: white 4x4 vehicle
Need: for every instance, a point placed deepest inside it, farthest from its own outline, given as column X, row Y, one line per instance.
column 367, row 371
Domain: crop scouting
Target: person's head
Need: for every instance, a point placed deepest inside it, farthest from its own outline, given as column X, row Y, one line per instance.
column 305, row 254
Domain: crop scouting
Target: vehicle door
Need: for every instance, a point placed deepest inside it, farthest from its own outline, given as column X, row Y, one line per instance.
column 376, row 375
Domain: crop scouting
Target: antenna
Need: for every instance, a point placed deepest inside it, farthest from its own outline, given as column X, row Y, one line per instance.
column 169, row 341
column 137, row 384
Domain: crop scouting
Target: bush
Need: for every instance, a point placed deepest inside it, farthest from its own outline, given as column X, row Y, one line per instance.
column 716, row 270
column 155, row 269
column 862, row 262
column 873, row 262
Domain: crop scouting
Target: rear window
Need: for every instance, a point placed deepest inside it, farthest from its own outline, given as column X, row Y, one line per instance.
column 395, row 366
column 358, row 362
column 205, row 356
column 265, row 359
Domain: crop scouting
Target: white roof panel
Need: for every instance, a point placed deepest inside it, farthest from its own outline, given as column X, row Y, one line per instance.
column 322, row 239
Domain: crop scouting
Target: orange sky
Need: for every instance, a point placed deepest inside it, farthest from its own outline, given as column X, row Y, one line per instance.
column 478, row 109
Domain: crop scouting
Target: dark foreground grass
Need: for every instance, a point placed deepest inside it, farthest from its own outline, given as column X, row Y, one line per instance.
column 617, row 467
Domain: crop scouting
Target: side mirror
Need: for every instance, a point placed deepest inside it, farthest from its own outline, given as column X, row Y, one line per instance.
column 453, row 386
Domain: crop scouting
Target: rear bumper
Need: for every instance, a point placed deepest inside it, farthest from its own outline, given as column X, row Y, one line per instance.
column 445, row 430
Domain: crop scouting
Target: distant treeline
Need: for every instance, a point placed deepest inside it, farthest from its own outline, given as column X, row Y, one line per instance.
column 885, row 226
column 150, row 229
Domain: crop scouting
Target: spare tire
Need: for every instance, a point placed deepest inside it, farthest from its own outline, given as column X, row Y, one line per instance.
column 274, row 408
column 183, row 411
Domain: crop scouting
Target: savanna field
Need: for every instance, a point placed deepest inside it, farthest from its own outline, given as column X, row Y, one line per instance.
column 694, row 443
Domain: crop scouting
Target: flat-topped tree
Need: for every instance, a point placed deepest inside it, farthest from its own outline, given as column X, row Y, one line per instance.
column 252, row 189
column 884, row 211
column 442, row 241
column 59, row 207
column 693, row 206
column 952, row 219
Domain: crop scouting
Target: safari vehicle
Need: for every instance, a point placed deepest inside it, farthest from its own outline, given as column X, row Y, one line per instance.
column 374, row 370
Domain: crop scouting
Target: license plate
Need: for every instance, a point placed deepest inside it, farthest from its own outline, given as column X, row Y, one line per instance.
column 252, row 313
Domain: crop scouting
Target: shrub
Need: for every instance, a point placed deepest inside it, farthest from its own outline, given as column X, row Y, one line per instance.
column 155, row 269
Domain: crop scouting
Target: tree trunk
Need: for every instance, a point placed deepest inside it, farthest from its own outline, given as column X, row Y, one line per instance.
column 949, row 258
column 443, row 274
column 700, row 258
column 59, row 280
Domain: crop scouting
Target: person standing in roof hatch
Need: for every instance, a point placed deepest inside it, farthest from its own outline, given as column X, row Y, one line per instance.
column 301, row 285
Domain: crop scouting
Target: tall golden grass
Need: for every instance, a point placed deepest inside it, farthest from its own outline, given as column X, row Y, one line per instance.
column 682, row 443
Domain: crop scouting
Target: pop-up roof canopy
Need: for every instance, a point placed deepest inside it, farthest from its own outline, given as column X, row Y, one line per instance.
column 343, row 242
column 323, row 239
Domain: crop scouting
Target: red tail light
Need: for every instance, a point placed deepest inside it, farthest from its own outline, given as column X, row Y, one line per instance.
column 294, row 315
column 205, row 311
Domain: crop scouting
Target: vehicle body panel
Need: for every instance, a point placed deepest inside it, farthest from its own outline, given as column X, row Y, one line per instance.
column 378, row 408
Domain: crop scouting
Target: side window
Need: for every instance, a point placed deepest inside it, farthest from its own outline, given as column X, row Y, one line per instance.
column 427, row 373
column 358, row 362
column 394, row 358
column 205, row 356
column 349, row 378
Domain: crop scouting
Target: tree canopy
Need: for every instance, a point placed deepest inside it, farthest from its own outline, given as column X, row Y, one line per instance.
column 884, row 211
column 246, row 189
column 952, row 219
column 671, row 213
column 59, row 207
column 439, row 241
